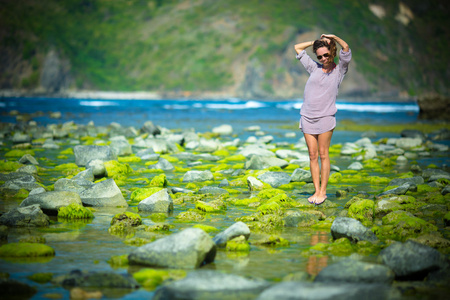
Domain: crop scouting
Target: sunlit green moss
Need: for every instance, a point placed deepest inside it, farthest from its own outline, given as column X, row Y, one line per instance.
column 75, row 211
column 19, row 153
column 151, row 278
column 41, row 277
column 26, row 250
column 159, row 181
column 143, row 193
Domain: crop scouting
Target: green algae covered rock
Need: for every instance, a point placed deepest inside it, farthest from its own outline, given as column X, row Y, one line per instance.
column 118, row 261
column 159, row 181
column 206, row 228
column 269, row 208
column 127, row 218
column 212, row 206
column 363, row 211
column 238, row 244
column 401, row 225
column 114, row 168
column 41, row 277
column 75, row 211
column 151, row 278
column 19, row 153
column 26, row 250
column 190, row 215
column 447, row 219
column 158, row 217
column 272, row 241
column 270, row 193
column 143, row 193
column 9, row 166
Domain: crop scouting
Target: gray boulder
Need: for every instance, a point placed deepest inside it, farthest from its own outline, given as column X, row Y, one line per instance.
column 258, row 162
column 209, row 284
column 158, row 145
column 426, row 174
column 235, row 230
column 84, row 154
column 162, row 164
column 29, row 216
column 357, row 166
column 103, row 193
column 212, row 190
column 413, row 180
column 150, row 128
column 351, row 229
column 187, row 249
column 120, row 145
column 275, row 179
column 326, row 291
column 300, row 175
column 159, row 202
column 401, row 190
column 28, row 159
column 411, row 260
column 224, row 129
column 258, row 150
column 97, row 168
column 28, row 169
column 411, row 133
column 21, row 181
column 69, row 185
column 254, row 184
column 408, row 143
column 87, row 174
column 299, row 219
column 50, row 202
column 354, row 271
column 198, row 176
column 19, row 138
column 103, row 279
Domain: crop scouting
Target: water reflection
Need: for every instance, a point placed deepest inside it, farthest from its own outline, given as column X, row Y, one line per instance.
column 316, row 262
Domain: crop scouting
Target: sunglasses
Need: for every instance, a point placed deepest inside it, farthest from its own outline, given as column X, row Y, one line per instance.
column 325, row 55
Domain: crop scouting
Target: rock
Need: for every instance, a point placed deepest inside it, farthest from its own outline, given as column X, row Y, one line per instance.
column 159, row 202
column 28, row 169
column 413, row 180
column 412, row 133
column 162, row 164
column 3, row 232
column 225, row 183
column 50, row 144
column 212, row 190
column 350, row 149
column 434, row 107
column 257, row 162
column 87, row 174
column 432, row 240
column 411, row 260
column 224, row 129
column 84, row 154
column 28, row 159
column 357, row 166
column 147, row 154
column 275, row 179
column 97, row 168
column 150, row 128
column 13, row 289
column 401, row 190
column 103, row 279
column 327, row 291
column 354, row 271
column 254, row 184
column 286, row 154
column 300, row 219
column 258, row 150
column 392, row 203
column 209, row 284
column 198, row 176
column 445, row 190
column 188, row 249
column 401, row 225
column 120, row 146
column 19, row 138
column 103, row 193
column 180, row 190
column 69, row 185
column 408, row 143
column 21, row 181
column 207, row 145
column 29, row 216
column 428, row 173
column 300, row 175
column 235, row 230
column 50, row 202
column 351, row 229
column 38, row 190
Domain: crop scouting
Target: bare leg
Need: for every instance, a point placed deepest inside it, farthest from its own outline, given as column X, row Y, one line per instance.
column 324, row 141
column 313, row 149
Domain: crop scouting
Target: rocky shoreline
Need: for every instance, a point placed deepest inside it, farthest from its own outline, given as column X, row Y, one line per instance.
column 391, row 232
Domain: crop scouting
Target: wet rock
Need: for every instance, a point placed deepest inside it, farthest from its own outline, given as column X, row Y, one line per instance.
column 235, row 230
column 28, row 169
column 257, row 162
column 120, row 146
column 208, row 284
column 21, row 181
column 354, row 271
column 13, row 289
column 51, row 201
column 290, row 154
column 207, row 145
column 180, row 190
column 411, row 260
column 401, row 225
column 275, row 179
column 350, row 149
column 69, row 185
column 411, row 133
column 150, row 128
column 159, row 202
column 327, row 291
column 103, row 193
column 19, row 138
column 413, row 180
column 189, row 249
column 433, row 240
column 445, row 190
column 29, row 216
column 224, row 129
column 300, row 219
column 401, row 190
column 254, row 184
column 258, row 150
column 224, row 183
column 87, row 174
column 162, row 164
column 38, row 190
column 28, row 159
column 50, row 144
column 147, row 154
column 428, row 173
column 392, row 203
column 212, row 190
column 357, row 166
column 97, row 167
column 84, row 154
column 351, row 229
column 198, row 176
column 408, row 143
column 105, row 279
column 3, row 232
column 300, row 175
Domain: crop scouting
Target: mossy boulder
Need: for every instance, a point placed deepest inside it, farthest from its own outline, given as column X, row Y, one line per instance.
column 75, row 211
column 447, row 219
column 115, row 168
column 9, row 166
column 269, row 208
column 151, row 278
column 392, row 203
column 127, row 218
column 206, row 228
column 401, row 225
column 143, row 193
column 26, row 250
column 238, row 244
column 41, row 277
column 362, row 211
column 272, row 241
column 270, row 193
column 212, row 206
column 118, row 261
column 159, row 181
column 190, row 215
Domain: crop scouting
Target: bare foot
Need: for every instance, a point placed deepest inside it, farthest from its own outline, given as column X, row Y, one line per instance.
column 312, row 199
column 320, row 199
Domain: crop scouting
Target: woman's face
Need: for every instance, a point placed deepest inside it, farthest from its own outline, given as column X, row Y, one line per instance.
column 323, row 55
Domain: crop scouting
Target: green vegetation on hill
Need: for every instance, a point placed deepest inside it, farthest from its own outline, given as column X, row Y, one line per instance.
column 213, row 45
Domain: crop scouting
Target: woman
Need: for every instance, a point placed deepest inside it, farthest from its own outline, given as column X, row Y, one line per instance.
column 319, row 106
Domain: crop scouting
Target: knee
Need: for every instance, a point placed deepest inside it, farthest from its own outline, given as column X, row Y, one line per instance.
column 313, row 156
column 324, row 154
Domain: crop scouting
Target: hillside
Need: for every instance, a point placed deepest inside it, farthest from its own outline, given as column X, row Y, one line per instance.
column 219, row 48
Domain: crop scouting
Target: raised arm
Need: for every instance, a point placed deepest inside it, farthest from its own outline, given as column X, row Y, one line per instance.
column 302, row 46
column 338, row 40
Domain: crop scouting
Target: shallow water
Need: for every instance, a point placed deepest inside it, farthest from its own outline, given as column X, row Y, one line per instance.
column 88, row 246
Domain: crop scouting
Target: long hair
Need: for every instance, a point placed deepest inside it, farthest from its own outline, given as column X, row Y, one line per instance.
column 330, row 46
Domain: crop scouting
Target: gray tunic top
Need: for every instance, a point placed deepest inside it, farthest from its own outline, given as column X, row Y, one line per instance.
column 321, row 88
